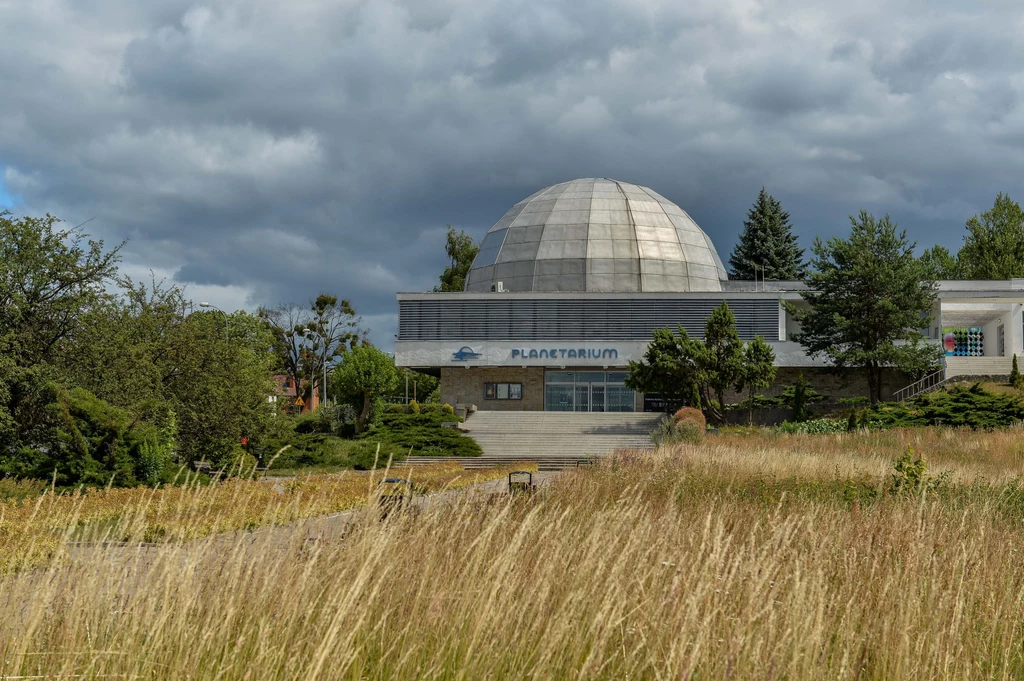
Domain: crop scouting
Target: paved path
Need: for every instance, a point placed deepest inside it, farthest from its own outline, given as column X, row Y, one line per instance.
column 117, row 569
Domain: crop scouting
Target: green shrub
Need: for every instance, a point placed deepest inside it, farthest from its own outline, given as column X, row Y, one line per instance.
column 798, row 396
column 395, row 409
column 960, row 406
column 759, row 402
column 815, row 427
column 154, row 458
column 686, row 430
column 430, row 409
column 416, row 434
column 414, row 407
column 910, row 476
column 316, row 421
column 241, row 463
column 1016, row 379
column 448, row 409
column 691, row 416
column 314, row 449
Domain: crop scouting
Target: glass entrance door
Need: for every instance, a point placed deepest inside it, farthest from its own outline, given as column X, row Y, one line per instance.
column 582, row 397
column 587, row 391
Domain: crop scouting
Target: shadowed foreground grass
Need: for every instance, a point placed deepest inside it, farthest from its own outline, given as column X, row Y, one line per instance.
column 713, row 563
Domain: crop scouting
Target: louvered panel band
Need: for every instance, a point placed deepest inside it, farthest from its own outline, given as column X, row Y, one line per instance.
column 526, row 320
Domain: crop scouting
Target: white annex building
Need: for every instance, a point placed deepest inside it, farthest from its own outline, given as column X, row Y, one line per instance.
column 570, row 283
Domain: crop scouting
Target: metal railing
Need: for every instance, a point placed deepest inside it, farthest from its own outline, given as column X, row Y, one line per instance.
column 928, row 383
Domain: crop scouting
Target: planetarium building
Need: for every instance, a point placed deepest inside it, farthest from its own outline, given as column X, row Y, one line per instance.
column 570, row 283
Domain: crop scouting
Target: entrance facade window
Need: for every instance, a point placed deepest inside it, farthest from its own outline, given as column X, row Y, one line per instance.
column 587, row 391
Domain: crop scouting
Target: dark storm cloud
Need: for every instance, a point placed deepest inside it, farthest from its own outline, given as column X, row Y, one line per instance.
column 264, row 151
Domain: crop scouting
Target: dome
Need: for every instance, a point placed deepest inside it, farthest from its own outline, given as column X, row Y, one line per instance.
column 596, row 234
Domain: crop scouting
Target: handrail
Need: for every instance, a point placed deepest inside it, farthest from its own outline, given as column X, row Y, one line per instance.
column 929, row 382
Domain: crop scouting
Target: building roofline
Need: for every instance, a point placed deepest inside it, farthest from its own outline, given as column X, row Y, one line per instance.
column 1003, row 288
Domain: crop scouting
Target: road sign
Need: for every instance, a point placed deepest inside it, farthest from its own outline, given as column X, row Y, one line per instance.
column 299, row 402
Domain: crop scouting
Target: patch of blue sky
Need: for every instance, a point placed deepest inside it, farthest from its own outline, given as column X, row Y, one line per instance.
column 7, row 200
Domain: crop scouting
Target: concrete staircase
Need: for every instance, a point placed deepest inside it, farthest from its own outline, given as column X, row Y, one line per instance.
column 544, row 463
column 977, row 366
column 560, row 434
column 555, row 440
column 954, row 369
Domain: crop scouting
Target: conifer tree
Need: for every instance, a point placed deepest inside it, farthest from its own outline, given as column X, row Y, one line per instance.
column 1016, row 378
column 767, row 245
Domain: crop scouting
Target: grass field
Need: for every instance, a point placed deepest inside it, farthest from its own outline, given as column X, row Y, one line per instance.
column 754, row 556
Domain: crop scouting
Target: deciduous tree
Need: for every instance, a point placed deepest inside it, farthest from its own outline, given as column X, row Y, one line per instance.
column 310, row 340
column 364, row 374
column 994, row 245
column 461, row 252
column 940, row 264
column 49, row 276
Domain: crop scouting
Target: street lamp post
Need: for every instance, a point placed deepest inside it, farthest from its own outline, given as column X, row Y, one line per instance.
column 206, row 304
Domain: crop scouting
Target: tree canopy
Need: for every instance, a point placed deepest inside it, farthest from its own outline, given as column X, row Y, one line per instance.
column 767, row 248
column 757, row 370
column 461, row 252
column 309, row 340
column 869, row 298
column 105, row 380
column 940, row 264
column 696, row 373
column 994, row 245
column 364, row 375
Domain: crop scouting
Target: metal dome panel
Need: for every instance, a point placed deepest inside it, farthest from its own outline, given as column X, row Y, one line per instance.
column 596, row 234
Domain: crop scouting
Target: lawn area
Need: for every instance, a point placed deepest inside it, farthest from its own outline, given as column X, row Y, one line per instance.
column 753, row 555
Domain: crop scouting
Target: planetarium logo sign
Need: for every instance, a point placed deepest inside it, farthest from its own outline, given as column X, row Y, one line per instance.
column 565, row 353
column 464, row 353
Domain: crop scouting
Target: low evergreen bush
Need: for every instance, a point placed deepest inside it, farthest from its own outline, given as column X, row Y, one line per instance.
column 960, row 406
column 759, row 402
column 420, row 434
column 315, row 421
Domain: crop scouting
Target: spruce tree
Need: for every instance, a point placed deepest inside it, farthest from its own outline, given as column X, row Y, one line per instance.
column 767, row 247
column 1016, row 378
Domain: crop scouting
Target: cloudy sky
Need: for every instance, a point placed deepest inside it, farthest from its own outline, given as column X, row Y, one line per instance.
column 261, row 151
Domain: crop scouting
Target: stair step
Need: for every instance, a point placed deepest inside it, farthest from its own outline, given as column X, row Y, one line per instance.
column 556, row 437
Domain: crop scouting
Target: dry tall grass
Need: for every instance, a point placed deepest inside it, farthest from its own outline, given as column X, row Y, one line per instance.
column 690, row 563
column 32, row 532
